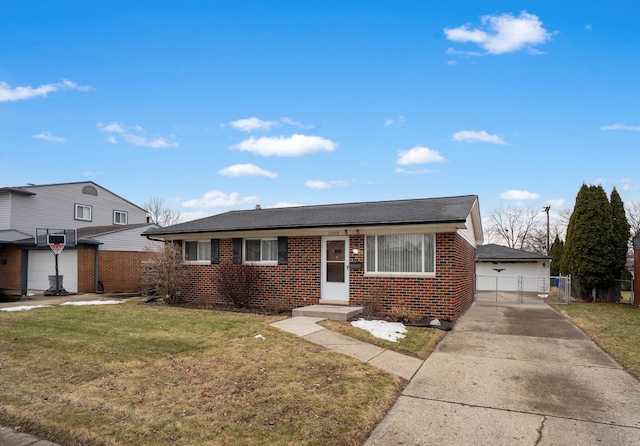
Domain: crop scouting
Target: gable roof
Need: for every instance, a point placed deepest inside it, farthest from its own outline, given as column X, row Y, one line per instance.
column 498, row 252
column 95, row 231
column 26, row 189
column 397, row 212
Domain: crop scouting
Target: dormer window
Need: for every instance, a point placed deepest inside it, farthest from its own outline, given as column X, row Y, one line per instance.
column 90, row 190
column 119, row 218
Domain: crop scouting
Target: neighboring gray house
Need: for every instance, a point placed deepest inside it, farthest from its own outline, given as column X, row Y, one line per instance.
column 513, row 270
column 105, row 223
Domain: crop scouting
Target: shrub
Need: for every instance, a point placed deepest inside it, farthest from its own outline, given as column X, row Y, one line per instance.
column 373, row 306
column 164, row 274
column 404, row 313
column 238, row 283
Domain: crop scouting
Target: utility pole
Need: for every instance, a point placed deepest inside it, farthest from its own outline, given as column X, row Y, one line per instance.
column 546, row 209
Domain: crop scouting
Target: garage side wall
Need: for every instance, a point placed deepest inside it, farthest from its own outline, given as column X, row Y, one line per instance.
column 10, row 267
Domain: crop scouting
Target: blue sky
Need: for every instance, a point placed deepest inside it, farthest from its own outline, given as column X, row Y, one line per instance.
column 221, row 105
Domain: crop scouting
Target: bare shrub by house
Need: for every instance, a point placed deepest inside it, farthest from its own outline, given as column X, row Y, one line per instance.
column 164, row 274
column 238, row 283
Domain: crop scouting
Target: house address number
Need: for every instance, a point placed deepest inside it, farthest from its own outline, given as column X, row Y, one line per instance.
column 333, row 233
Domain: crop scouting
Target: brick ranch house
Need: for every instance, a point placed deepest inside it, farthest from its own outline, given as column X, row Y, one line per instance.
column 418, row 253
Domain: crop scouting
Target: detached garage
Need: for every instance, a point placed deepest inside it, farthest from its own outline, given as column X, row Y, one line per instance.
column 507, row 269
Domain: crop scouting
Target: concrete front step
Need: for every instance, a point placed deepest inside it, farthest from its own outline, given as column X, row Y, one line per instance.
column 331, row 312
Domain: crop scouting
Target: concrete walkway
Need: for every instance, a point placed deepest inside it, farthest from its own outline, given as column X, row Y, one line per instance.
column 390, row 361
column 512, row 374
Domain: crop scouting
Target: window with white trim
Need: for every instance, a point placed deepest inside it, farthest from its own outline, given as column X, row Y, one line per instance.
column 120, row 218
column 197, row 251
column 261, row 250
column 83, row 212
column 401, row 253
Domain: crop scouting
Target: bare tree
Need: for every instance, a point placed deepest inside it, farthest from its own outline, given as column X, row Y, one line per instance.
column 633, row 215
column 161, row 214
column 513, row 226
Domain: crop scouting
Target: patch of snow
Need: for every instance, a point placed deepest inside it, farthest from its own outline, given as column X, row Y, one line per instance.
column 25, row 307
column 94, row 302
column 543, row 296
column 435, row 322
column 391, row 331
column 259, row 336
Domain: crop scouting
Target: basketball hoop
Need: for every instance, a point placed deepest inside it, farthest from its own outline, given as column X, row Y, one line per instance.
column 56, row 248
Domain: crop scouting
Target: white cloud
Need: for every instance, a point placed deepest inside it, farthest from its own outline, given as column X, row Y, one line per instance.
column 189, row 216
column 419, row 155
column 136, row 140
column 112, row 127
column 503, row 33
column 246, row 170
column 156, row 143
column 295, row 145
column 399, row 121
column 621, row 126
column 556, row 204
column 215, row 198
column 8, row 94
column 47, row 136
column 411, row 172
column 252, row 124
column 519, row 195
column 88, row 173
column 474, row 136
column 290, row 121
column 625, row 183
column 285, row 204
column 319, row 184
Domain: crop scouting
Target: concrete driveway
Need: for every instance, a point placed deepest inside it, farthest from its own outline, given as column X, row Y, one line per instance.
column 515, row 374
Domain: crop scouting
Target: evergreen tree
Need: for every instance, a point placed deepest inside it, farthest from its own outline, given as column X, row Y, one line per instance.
column 556, row 255
column 621, row 234
column 588, row 251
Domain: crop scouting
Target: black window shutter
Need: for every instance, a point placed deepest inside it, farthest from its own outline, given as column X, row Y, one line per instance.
column 282, row 250
column 215, row 251
column 237, row 250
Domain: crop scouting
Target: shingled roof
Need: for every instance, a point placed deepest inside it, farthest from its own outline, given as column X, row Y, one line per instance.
column 498, row 252
column 397, row 212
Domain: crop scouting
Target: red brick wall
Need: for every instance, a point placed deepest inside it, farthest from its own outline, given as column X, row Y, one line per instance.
column 121, row 271
column 86, row 269
column 10, row 267
column 447, row 295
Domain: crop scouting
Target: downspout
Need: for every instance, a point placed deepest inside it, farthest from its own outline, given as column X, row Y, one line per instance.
column 96, row 281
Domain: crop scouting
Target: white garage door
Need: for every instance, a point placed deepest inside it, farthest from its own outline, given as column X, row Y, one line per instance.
column 42, row 264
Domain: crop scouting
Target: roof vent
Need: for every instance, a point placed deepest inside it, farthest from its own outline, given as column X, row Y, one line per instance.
column 258, row 207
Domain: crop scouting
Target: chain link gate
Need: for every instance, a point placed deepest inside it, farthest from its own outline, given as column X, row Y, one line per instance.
column 523, row 289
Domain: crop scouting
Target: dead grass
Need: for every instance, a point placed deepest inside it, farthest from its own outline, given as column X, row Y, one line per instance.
column 614, row 327
column 419, row 342
column 131, row 374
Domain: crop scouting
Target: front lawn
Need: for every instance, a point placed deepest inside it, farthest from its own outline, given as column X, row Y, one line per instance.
column 132, row 374
column 418, row 342
column 614, row 327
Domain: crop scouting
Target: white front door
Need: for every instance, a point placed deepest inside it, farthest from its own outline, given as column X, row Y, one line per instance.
column 335, row 270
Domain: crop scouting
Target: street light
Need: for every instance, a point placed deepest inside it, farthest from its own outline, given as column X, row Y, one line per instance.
column 546, row 209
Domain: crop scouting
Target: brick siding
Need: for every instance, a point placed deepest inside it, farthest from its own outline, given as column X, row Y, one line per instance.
column 298, row 283
column 10, row 264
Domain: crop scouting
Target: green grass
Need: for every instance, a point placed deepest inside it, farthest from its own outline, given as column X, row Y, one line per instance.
column 614, row 327
column 418, row 342
column 131, row 374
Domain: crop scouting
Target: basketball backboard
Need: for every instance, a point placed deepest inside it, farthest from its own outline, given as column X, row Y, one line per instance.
column 48, row 236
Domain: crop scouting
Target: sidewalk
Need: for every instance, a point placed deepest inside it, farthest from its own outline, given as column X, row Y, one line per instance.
column 390, row 361
column 515, row 374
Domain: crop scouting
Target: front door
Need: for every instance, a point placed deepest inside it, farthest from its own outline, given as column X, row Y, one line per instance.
column 335, row 272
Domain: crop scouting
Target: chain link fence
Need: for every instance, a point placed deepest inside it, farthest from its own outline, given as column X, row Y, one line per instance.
column 523, row 289
column 618, row 291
